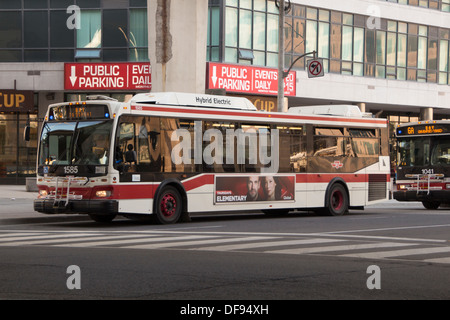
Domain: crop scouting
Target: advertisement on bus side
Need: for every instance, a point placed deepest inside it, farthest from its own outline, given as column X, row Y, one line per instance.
column 254, row 188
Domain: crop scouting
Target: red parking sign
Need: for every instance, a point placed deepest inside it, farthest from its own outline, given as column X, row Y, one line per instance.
column 248, row 79
column 107, row 76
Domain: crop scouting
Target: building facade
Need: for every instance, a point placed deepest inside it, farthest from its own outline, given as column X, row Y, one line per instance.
column 37, row 39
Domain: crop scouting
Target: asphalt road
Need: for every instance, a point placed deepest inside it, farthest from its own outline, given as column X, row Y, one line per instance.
column 227, row 257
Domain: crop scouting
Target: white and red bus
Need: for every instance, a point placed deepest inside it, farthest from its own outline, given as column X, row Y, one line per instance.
column 423, row 163
column 169, row 155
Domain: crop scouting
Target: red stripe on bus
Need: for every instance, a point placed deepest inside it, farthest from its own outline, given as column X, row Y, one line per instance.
column 255, row 114
column 146, row 191
column 197, row 182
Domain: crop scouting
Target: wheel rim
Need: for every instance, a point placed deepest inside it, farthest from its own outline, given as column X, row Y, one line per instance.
column 337, row 200
column 168, row 205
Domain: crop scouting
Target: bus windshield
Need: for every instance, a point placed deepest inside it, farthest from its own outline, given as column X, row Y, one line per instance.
column 423, row 151
column 75, row 143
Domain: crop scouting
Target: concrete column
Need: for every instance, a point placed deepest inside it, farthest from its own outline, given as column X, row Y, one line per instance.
column 177, row 44
column 426, row 114
column 362, row 106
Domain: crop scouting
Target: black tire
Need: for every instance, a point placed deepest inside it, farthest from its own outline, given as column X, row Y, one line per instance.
column 102, row 218
column 431, row 205
column 169, row 206
column 337, row 201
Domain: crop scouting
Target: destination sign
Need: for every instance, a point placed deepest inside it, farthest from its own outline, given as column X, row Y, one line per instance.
column 425, row 129
column 79, row 112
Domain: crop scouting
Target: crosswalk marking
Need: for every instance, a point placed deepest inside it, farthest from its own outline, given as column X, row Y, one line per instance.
column 78, row 238
column 17, row 234
column 267, row 244
column 340, row 248
column 124, row 242
column 35, row 238
column 438, row 260
column 193, row 243
column 398, row 253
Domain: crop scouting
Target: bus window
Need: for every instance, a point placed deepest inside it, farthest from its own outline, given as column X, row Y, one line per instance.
column 441, row 152
column 414, row 152
column 56, row 141
column 292, row 149
column 329, row 142
column 177, row 154
column 364, row 143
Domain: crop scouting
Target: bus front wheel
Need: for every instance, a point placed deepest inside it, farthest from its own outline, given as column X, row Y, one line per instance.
column 168, row 206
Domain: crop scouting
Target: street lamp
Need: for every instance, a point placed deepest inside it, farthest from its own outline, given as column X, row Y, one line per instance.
column 281, row 4
column 281, row 9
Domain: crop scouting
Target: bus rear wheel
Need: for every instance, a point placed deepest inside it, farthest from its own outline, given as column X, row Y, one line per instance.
column 168, row 206
column 337, row 201
column 431, row 205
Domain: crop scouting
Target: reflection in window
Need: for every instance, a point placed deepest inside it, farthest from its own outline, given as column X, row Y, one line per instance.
column 440, row 155
column 90, row 34
column 414, row 152
column 138, row 37
column 115, row 28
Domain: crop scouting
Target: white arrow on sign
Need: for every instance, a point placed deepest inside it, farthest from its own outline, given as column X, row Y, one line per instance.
column 214, row 76
column 73, row 75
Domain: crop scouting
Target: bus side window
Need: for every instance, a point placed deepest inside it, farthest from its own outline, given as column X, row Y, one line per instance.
column 153, row 125
column 125, row 137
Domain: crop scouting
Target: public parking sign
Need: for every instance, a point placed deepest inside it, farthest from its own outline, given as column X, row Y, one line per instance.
column 107, row 76
column 315, row 68
column 248, row 79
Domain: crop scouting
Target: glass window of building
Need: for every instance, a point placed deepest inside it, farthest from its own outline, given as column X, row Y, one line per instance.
column 41, row 31
column 397, row 50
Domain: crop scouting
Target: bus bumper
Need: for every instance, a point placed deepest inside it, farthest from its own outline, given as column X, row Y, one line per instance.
column 100, row 207
column 433, row 196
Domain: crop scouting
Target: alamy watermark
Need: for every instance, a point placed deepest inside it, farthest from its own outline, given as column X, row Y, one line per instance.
column 374, row 19
column 74, row 21
column 74, row 280
column 374, row 281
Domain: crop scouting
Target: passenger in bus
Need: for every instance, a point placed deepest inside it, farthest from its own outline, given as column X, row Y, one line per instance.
column 118, row 155
column 130, row 155
column 118, row 159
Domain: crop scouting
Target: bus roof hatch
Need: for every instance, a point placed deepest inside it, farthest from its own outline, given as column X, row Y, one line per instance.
column 332, row 110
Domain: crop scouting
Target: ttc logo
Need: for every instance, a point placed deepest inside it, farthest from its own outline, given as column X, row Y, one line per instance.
column 337, row 165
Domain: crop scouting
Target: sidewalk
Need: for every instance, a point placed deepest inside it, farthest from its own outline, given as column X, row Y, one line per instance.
column 16, row 192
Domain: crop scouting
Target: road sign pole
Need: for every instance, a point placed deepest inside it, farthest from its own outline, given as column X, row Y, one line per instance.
column 281, row 56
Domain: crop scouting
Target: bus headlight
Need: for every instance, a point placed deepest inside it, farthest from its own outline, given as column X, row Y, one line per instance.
column 103, row 194
column 402, row 187
column 43, row 193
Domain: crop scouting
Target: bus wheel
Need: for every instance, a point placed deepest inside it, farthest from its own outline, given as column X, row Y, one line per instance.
column 102, row 218
column 337, row 201
column 168, row 206
column 431, row 205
